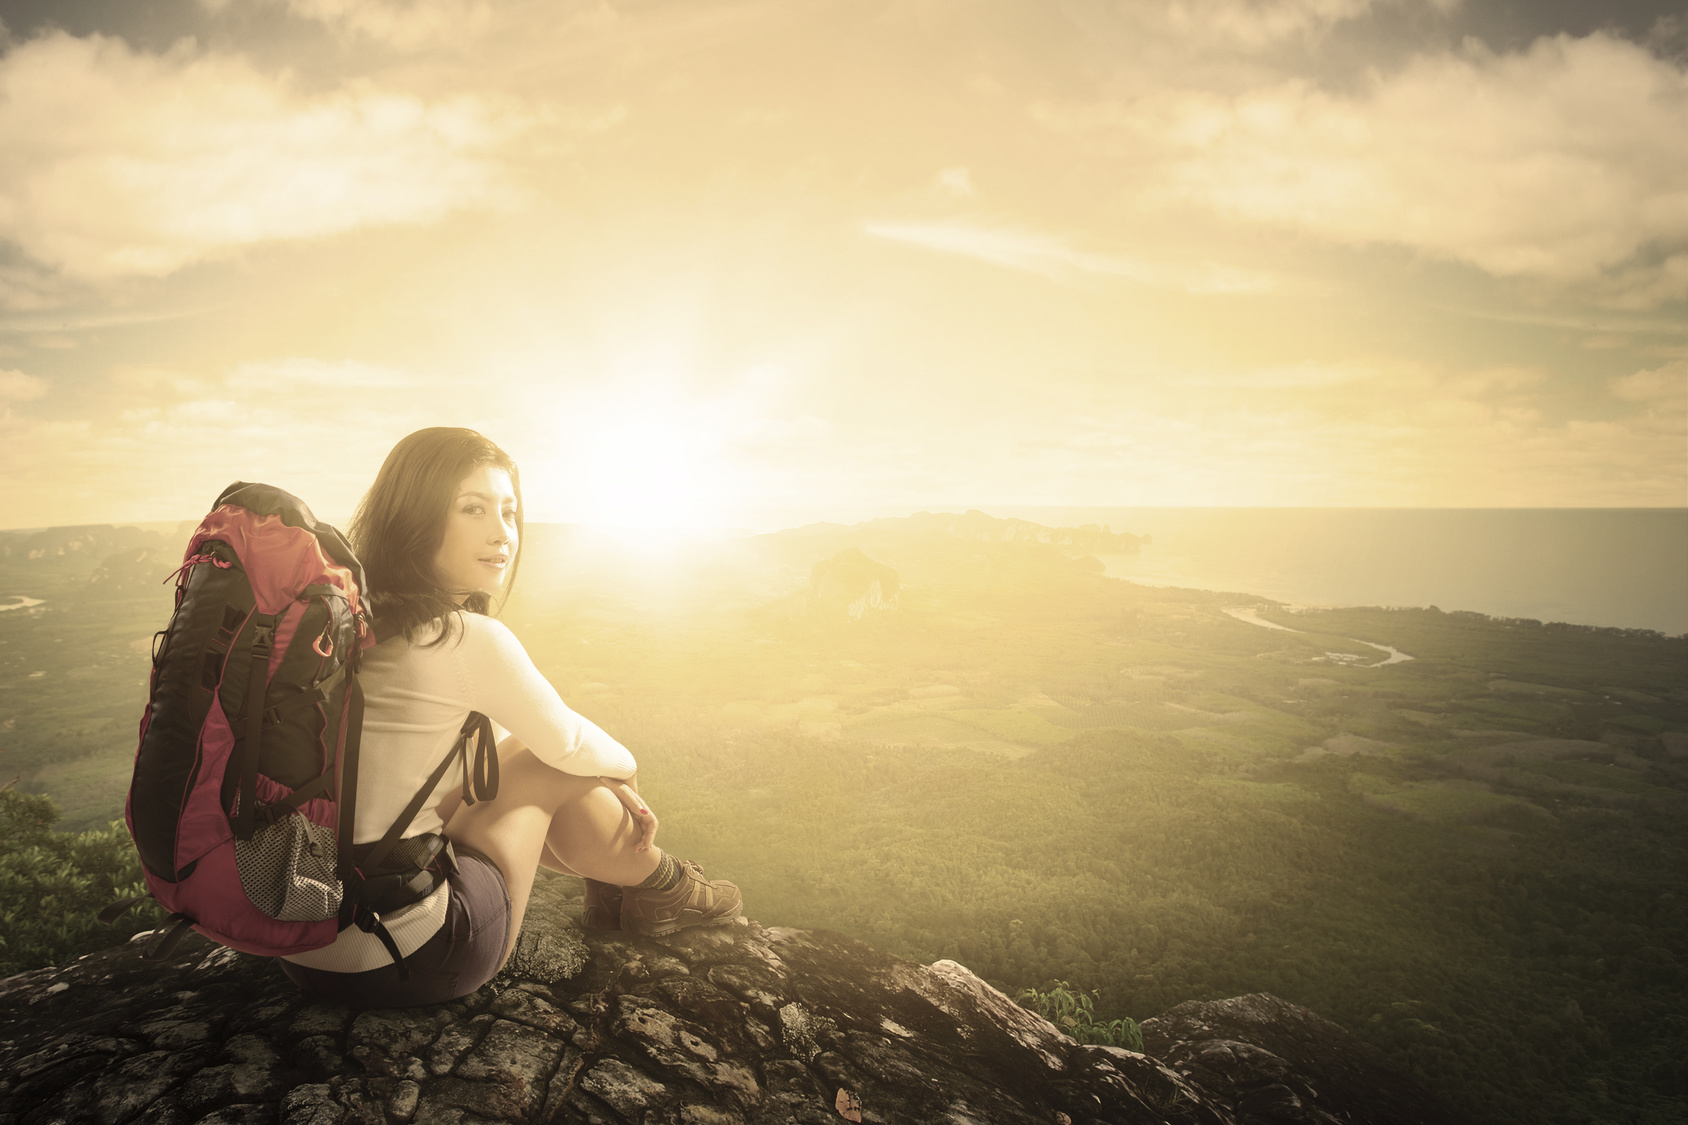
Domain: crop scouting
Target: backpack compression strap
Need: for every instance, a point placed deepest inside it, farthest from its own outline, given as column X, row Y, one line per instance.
column 257, row 686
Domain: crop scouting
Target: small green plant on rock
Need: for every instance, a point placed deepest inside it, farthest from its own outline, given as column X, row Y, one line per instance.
column 1074, row 1012
column 52, row 884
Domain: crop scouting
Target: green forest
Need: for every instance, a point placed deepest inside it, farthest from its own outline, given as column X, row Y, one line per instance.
column 957, row 737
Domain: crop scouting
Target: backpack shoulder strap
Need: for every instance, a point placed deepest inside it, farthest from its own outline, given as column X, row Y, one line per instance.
column 351, row 738
column 458, row 751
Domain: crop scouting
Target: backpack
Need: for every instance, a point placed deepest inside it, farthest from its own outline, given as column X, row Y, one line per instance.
column 244, row 793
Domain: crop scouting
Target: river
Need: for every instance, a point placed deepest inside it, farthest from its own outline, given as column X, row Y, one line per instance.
column 1392, row 655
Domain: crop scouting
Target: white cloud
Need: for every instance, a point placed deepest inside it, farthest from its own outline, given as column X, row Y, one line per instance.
column 1259, row 25
column 1659, row 386
column 1252, row 23
column 1042, row 254
column 400, row 23
column 1419, row 443
column 15, row 386
column 782, row 435
column 955, row 182
column 1560, row 162
column 124, row 163
column 213, row 412
column 1298, row 375
column 298, row 373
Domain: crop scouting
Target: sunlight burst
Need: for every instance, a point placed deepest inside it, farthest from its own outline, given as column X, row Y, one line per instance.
column 649, row 481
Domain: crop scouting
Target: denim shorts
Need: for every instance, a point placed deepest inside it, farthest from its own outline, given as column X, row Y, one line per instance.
column 462, row 956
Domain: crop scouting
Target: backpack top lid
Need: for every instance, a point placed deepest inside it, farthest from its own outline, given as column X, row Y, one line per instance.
column 267, row 500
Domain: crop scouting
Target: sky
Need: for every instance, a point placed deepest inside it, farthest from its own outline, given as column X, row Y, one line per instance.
column 760, row 262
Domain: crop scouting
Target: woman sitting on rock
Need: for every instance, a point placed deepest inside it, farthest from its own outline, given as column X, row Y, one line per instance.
column 439, row 535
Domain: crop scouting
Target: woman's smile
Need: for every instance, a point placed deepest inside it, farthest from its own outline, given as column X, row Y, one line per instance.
column 480, row 536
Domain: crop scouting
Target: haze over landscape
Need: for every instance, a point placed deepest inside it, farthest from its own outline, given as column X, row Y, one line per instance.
column 1166, row 500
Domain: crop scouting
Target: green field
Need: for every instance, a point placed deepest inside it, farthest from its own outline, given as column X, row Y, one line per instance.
column 1476, row 859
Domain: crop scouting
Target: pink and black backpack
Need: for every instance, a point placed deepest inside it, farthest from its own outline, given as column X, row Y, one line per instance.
column 245, row 786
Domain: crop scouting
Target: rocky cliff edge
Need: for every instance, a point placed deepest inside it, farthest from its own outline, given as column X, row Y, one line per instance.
column 738, row 1025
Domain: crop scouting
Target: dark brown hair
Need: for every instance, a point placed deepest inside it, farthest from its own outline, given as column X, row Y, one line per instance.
column 400, row 524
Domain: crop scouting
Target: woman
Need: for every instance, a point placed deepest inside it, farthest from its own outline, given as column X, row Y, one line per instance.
column 439, row 534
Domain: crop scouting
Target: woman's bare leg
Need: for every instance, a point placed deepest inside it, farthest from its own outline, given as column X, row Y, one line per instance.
column 542, row 813
column 548, row 860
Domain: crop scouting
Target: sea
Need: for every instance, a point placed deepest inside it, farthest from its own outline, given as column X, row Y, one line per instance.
column 1623, row 567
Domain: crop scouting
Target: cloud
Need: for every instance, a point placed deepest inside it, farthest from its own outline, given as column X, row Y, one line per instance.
column 397, row 23
column 1259, row 25
column 1292, row 376
column 298, row 374
column 956, row 183
column 15, row 386
column 157, row 442
column 1553, row 162
column 1042, row 254
column 1420, row 442
column 1645, row 285
column 1251, row 23
column 125, row 163
column 1659, row 386
column 782, row 435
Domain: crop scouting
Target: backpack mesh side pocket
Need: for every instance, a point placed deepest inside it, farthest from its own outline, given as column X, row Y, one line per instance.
column 287, row 870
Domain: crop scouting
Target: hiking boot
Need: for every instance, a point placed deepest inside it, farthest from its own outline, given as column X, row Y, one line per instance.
column 693, row 901
column 601, row 909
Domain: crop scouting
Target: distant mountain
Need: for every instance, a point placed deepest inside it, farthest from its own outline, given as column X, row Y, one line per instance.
column 88, row 541
column 942, row 548
column 135, row 567
column 111, row 558
column 851, row 585
column 977, row 525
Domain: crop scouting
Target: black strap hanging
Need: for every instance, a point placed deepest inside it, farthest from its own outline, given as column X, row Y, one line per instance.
column 119, row 908
column 485, row 774
column 167, row 945
column 370, row 923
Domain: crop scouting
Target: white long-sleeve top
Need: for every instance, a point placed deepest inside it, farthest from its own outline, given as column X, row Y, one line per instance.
column 416, row 697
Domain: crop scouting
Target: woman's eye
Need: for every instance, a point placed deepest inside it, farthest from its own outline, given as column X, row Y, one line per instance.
column 474, row 510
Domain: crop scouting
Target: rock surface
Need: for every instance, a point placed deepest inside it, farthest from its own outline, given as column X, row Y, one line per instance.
column 737, row 1025
column 1273, row 1061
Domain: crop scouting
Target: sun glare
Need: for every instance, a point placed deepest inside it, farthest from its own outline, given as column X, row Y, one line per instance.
column 649, row 482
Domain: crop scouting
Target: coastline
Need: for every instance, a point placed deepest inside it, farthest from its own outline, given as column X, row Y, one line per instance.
column 1609, row 568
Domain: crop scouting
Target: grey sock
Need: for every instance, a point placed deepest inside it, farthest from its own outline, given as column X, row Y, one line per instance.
column 665, row 878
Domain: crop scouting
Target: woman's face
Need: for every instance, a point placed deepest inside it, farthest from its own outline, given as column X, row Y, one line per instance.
column 480, row 534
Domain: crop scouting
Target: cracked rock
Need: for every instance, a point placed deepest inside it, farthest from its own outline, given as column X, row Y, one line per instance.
column 732, row 1025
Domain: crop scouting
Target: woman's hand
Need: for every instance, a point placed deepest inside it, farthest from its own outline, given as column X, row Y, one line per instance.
column 643, row 818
